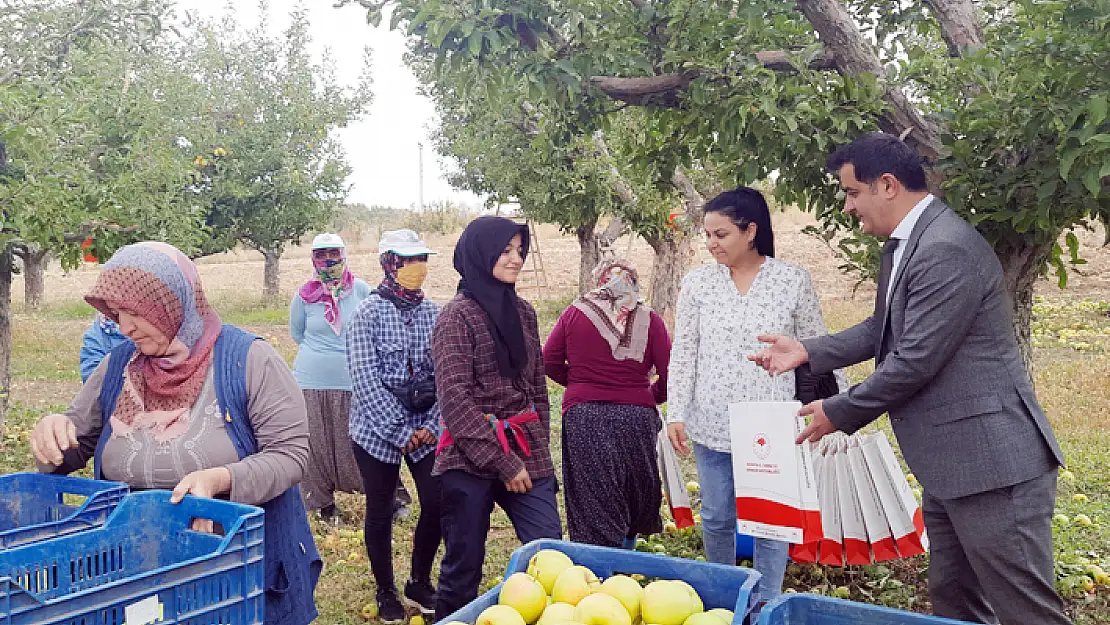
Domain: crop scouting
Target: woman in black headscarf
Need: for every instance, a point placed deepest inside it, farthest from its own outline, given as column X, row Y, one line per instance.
column 493, row 396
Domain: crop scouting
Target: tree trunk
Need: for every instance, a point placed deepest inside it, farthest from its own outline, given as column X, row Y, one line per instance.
column 271, row 279
column 1021, row 268
column 672, row 257
column 590, row 254
column 5, row 332
column 34, row 277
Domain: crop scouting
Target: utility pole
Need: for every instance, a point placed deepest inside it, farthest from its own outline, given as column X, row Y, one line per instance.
column 420, row 172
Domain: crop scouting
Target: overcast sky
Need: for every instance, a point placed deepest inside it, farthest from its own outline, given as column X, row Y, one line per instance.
column 382, row 148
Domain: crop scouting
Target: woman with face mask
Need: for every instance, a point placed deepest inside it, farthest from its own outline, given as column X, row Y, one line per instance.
column 394, row 415
column 318, row 318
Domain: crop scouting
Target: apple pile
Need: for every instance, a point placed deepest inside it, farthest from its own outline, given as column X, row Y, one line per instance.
column 556, row 591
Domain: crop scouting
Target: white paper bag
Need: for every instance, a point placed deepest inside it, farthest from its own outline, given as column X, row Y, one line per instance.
column 856, row 550
column 899, row 505
column 765, row 461
column 874, row 519
column 831, row 548
column 812, row 530
column 674, row 489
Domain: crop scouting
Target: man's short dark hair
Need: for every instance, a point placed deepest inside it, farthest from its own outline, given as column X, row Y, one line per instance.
column 878, row 153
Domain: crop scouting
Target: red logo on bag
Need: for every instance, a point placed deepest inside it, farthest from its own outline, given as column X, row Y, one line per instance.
column 761, row 446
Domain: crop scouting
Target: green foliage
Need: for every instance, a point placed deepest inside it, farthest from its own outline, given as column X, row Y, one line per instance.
column 263, row 162
column 1026, row 116
column 83, row 134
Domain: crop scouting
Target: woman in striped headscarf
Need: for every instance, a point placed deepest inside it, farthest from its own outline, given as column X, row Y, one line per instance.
column 196, row 406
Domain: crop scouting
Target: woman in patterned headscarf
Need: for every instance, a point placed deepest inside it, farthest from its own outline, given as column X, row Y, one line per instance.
column 318, row 318
column 196, row 406
column 604, row 349
column 395, row 416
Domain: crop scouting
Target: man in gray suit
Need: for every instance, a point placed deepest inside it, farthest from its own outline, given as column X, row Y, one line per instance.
column 949, row 372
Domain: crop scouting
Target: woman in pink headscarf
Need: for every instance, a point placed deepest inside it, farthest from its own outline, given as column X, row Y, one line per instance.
column 318, row 319
column 195, row 405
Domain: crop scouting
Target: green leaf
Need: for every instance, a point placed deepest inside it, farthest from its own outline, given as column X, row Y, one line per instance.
column 1092, row 182
column 1099, row 138
column 474, row 43
column 1046, row 190
column 1097, row 108
column 1066, row 161
column 791, row 123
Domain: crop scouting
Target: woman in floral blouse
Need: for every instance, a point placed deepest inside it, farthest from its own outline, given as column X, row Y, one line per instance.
column 493, row 394
column 722, row 308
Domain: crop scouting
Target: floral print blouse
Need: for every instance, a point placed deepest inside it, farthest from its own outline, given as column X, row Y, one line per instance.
column 715, row 331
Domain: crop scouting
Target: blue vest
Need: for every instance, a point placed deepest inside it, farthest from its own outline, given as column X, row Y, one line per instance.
column 292, row 563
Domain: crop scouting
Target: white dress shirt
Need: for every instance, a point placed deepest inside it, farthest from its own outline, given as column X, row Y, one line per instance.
column 902, row 233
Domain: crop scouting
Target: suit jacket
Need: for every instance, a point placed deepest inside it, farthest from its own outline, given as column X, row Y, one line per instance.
column 948, row 367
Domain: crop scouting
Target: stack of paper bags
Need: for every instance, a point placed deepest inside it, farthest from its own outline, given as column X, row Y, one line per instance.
column 842, row 501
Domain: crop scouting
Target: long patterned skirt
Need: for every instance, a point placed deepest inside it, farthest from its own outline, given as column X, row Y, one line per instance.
column 331, row 462
column 611, row 477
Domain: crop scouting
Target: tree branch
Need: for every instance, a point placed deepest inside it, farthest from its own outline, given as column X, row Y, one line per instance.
column 692, row 198
column 854, row 55
column 86, row 229
column 663, row 90
column 959, row 25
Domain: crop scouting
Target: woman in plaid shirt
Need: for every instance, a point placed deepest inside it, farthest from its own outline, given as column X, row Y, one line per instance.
column 493, row 396
column 388, row 351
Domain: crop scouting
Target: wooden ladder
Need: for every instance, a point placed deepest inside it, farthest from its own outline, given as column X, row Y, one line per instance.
column 535, row 258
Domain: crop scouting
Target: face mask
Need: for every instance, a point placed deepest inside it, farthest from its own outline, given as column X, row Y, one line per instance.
column 412, row 276
column 330, row 270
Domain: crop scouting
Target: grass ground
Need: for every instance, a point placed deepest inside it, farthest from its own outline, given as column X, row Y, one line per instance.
column 1073, row 382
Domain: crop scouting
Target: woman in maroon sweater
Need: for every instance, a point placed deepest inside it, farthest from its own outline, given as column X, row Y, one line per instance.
column 603, row 350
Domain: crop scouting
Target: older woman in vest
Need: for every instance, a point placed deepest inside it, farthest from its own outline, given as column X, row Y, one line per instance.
column 196, row 406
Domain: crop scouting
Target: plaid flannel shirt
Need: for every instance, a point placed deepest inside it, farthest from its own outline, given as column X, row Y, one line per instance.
column 470, row 386
column 382, row 343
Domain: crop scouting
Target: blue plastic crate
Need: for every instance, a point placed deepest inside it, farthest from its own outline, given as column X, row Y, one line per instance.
column 37, row 507
column 720, row 586
column 145, row 557
column 806, row 609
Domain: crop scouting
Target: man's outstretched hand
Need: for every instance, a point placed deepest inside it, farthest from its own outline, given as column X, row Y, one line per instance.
column 783, row 354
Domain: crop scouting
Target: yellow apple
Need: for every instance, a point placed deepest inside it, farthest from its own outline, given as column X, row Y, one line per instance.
column 546, row 565
column 601, row 609
column 667, row 603
column 1067, row 476
column 842, row 592
column 725, row 615
column 525, row 595
column 1083, row 520
column 556, row 613
column 694, row 596
column 702, row 618
column 626, row 590
column 369, row 611
column 693, row 487
column 500, row 615
column 574, row 584
column 669, row 527
column 1079, row 498
column 416, row 620
column 1087, row 584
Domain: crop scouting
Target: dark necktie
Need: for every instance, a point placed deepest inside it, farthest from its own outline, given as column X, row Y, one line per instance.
column 886, row 263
